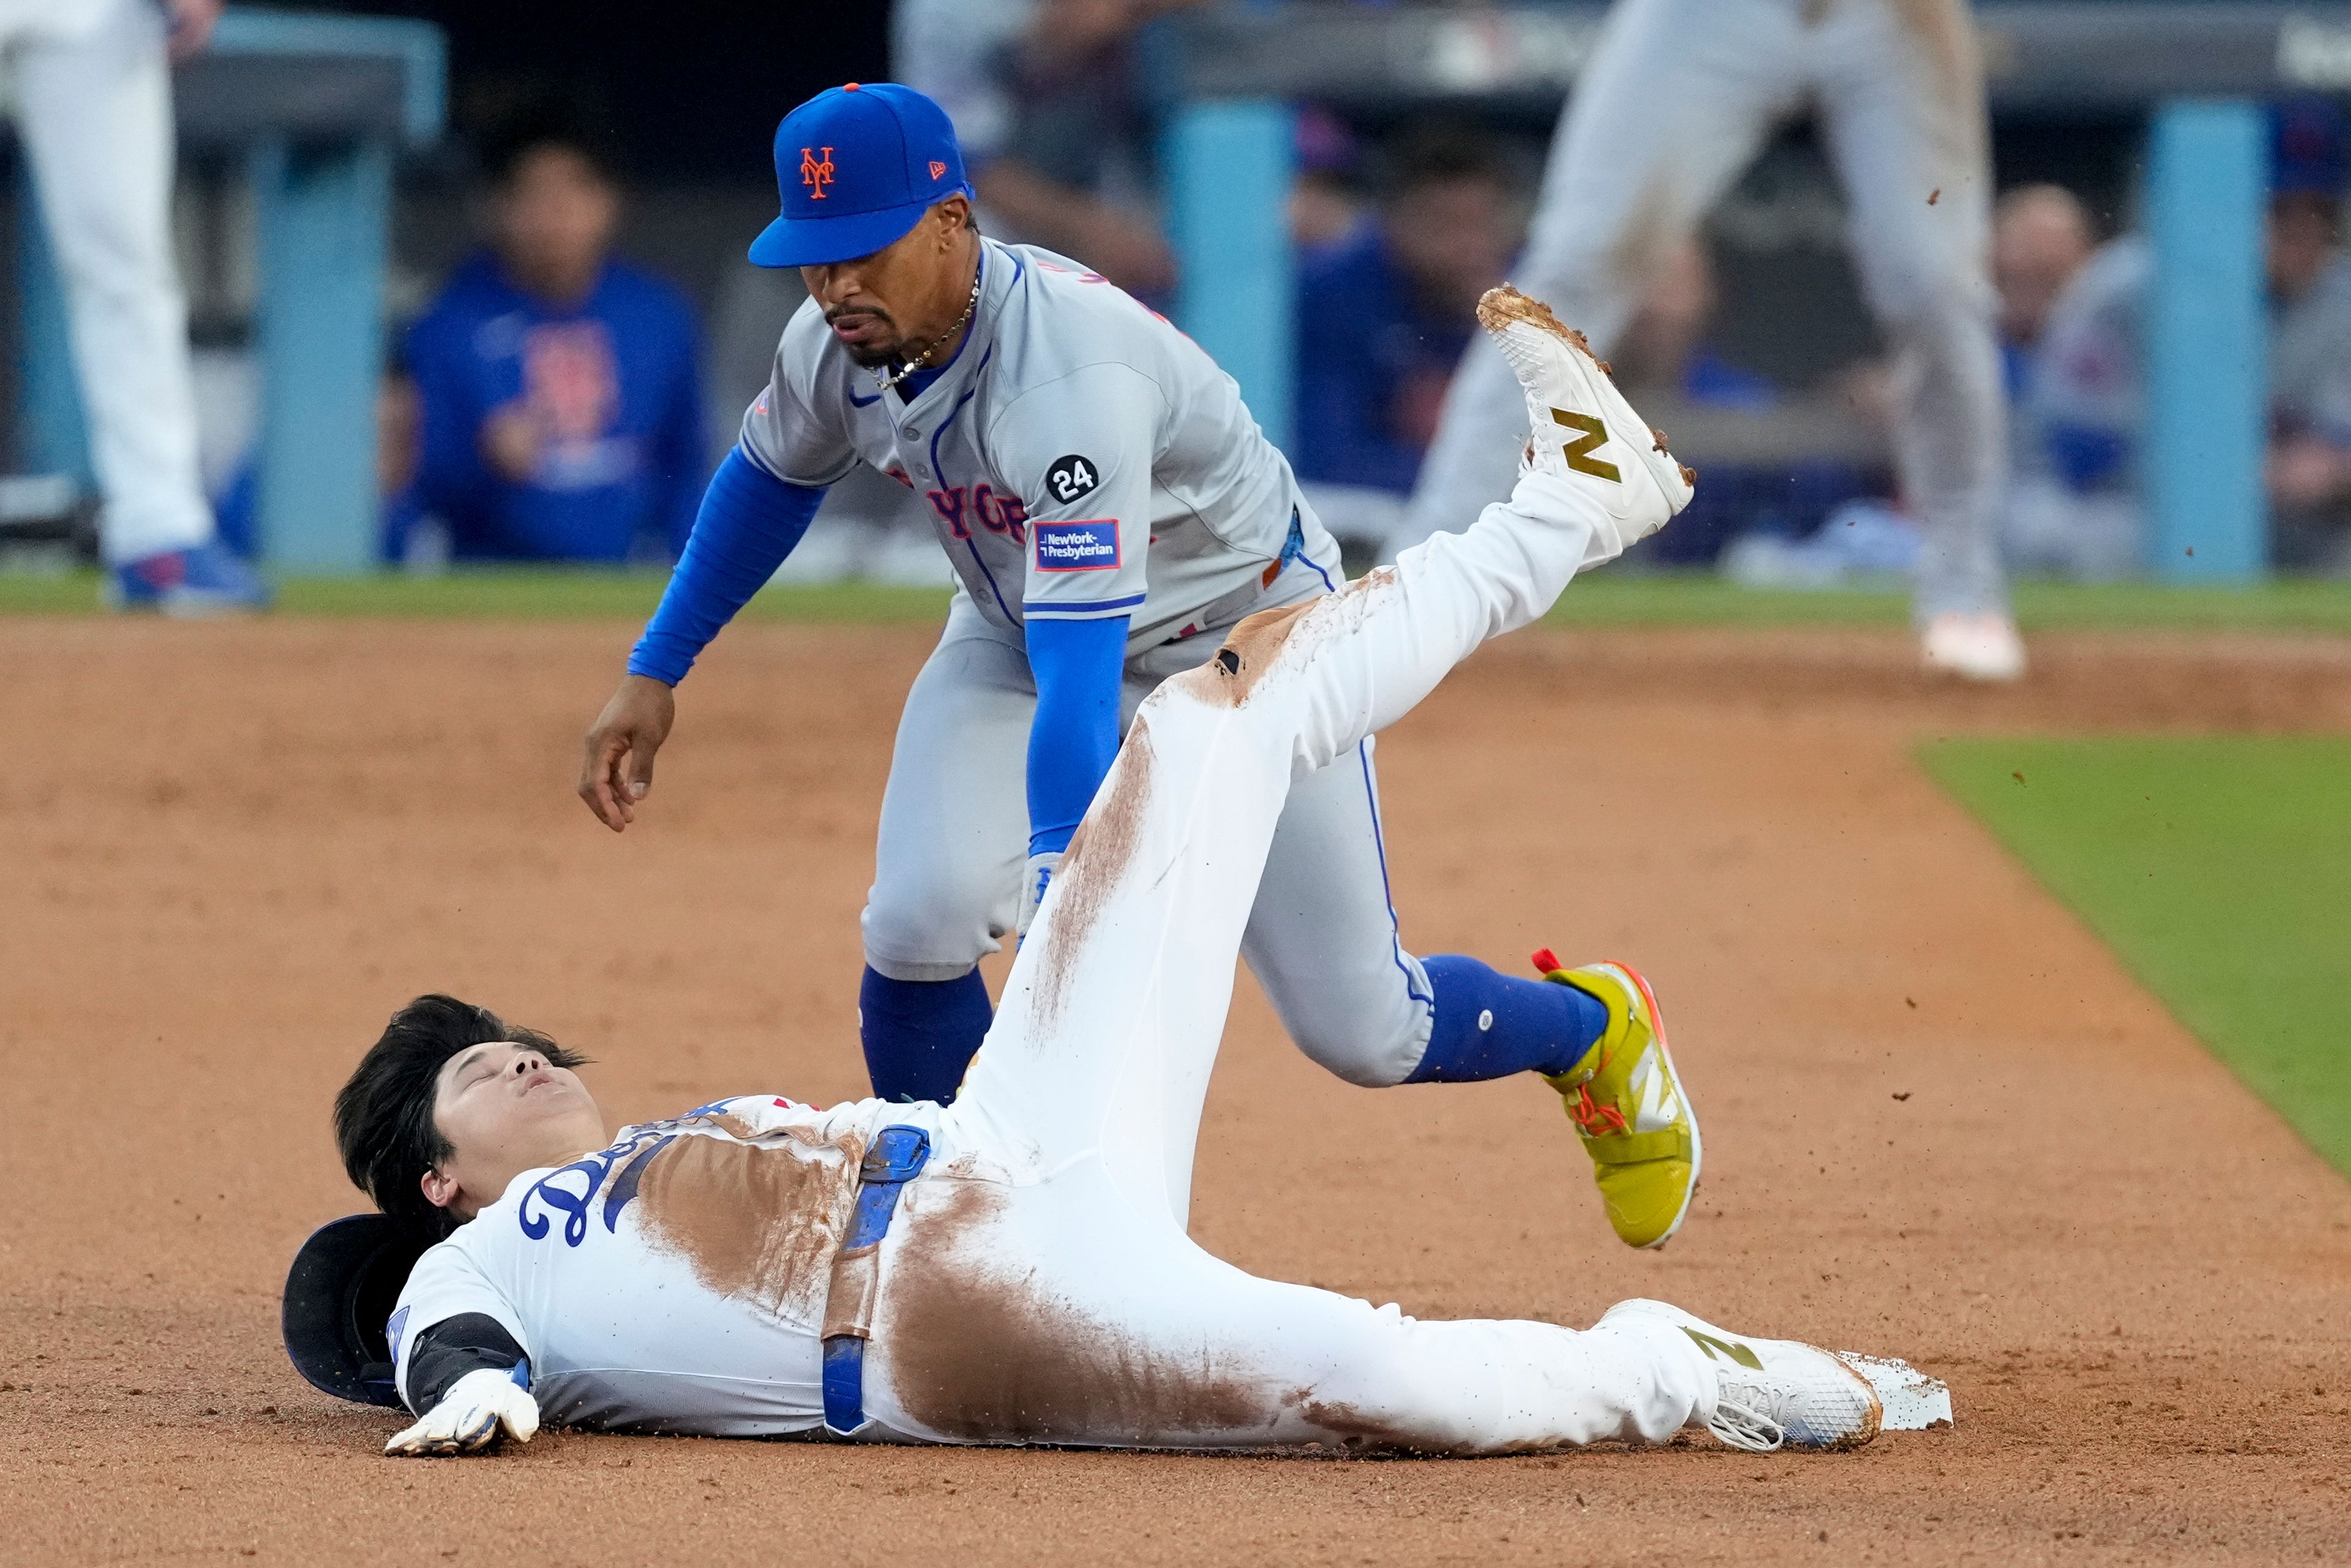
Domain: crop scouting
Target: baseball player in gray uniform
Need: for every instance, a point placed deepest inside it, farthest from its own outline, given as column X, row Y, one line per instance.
column 1677, row 98
column 1014, row 1267
column 92, row 87
column 1111, row 511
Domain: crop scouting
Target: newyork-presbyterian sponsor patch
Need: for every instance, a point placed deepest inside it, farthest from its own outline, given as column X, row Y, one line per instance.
column 1091, row 546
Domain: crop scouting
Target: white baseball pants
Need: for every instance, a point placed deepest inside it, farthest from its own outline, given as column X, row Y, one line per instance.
column 1038, row 1284
column 955, row 835
column 93, row 107
column 1675, row 102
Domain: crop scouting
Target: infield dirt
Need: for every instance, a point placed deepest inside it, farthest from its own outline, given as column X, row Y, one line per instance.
column 1941, row 1121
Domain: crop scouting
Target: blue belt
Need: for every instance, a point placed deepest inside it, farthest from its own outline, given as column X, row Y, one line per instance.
column 895, row 1157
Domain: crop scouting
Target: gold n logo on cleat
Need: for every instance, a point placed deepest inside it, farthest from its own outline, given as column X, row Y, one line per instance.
column 1580, row 450
column 1738, row 1352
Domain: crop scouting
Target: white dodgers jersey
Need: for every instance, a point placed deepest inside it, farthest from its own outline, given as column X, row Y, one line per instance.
column 1082, row 457
column 675, row 1281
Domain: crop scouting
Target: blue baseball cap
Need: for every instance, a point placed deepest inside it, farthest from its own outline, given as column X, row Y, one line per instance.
column 856, row 167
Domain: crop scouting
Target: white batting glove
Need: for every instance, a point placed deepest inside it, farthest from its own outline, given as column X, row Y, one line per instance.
column 478, row 1408
column 1042, row 870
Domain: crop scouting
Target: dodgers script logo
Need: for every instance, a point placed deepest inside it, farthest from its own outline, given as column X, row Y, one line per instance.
column 1091, row 546
column 571, row 1189
column 814, row 175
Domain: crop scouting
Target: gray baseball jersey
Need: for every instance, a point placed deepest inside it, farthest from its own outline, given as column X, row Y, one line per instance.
column 1082, row 458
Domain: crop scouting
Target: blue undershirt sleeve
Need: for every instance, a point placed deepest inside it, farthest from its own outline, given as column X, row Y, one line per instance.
column 1079, row 667
column 749, row 523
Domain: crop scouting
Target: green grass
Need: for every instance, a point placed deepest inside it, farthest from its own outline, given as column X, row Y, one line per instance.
column 1618, row 599
column 2219, row 870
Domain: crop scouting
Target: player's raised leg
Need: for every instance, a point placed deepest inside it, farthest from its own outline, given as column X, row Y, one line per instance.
column 1113, row 1010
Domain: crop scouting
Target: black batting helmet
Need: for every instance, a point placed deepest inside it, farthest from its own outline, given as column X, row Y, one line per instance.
column 339, row 1295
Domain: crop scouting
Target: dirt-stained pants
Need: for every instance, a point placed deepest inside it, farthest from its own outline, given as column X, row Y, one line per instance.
column 1676, row 99
column 955, row 834
column 1040, row 1286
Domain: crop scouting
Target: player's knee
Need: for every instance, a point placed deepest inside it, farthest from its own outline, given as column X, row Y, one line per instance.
column 1371, row 1039
column 936, row 933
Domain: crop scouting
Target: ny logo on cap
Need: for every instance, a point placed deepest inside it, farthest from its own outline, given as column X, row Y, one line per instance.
column 814, row 175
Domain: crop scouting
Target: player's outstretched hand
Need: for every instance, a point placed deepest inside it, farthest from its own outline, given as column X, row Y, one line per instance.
column 479, row 1408
column 618, row 770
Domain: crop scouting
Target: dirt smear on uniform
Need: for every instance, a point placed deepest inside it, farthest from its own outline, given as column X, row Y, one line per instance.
column 1100, row 852
column 220, row 876
column 759, row 1221
column 979, row 1352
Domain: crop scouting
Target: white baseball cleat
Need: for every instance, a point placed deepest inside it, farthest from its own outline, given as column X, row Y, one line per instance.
column 1584, row 431
column 1980, row 645
column 1775, row 1393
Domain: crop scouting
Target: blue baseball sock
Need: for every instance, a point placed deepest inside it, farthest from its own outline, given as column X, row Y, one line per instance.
column 1490, row 1025
column 920, row 1035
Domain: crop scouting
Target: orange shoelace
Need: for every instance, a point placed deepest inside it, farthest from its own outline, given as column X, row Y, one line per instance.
column 1592, row 1118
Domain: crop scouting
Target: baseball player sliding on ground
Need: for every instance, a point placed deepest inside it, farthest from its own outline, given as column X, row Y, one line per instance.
column 1111, row 511
column 1014, row 1267
column 1673, row 104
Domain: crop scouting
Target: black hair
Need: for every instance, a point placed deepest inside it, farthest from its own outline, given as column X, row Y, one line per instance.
column 539, row 124
column 383, row 1117
column 1435, row 154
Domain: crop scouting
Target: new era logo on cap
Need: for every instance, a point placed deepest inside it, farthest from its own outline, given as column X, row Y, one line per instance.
column 937, row 168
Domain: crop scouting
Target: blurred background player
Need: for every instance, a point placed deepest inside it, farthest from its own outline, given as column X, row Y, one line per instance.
column 1052, row 101
column 2078, row 505
column 93, row 108
column 558, row 389
column 1678, row 98
column 1385, row 310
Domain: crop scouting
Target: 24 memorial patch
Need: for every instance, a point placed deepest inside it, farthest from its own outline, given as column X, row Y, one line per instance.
column 1070, row 477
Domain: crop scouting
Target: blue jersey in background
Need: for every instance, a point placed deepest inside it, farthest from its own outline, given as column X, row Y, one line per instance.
column 1372, row 366
column 615, row 386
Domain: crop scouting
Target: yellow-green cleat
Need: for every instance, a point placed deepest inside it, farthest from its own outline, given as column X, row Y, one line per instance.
column 1628, row 1107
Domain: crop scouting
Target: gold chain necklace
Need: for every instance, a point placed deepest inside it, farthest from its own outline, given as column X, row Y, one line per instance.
column 918, row 361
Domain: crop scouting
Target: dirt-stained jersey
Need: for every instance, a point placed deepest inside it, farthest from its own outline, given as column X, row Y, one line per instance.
column 1082, row 458
column 675, row 1281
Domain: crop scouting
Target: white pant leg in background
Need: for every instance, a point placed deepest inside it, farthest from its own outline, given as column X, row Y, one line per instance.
column 1678, row 98
column 1674, row 103
column 1039, row 1285
column 94, row 111
column 1902, row 115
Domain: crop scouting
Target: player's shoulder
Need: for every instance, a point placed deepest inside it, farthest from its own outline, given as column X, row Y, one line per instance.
column 1069, row 343
column 1060, row 314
